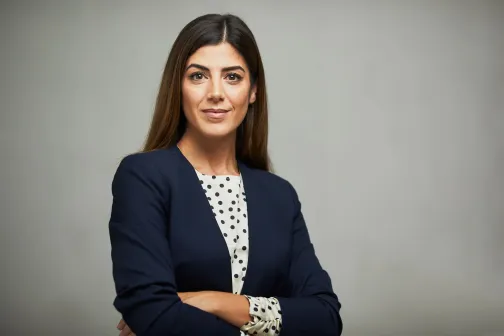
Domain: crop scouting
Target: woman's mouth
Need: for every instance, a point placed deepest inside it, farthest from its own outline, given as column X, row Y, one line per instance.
column 216, row 114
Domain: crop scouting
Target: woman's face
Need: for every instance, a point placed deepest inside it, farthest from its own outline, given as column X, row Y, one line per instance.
column 216, row 91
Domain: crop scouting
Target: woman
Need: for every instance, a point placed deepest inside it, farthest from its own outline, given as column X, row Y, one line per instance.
column 205, row 239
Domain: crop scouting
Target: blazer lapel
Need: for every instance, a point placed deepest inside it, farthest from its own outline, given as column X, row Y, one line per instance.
column 201, row 219
column 256, row 224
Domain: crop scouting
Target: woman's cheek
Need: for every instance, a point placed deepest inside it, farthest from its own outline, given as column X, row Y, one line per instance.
column 239, row 97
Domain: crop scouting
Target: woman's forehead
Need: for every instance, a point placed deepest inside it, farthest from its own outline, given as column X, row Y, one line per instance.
column 217, row 57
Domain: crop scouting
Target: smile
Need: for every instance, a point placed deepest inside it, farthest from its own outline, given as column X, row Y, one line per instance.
column 215, row 113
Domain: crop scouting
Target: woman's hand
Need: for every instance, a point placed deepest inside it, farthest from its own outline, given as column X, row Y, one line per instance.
column 125, row 330
column 204, row 300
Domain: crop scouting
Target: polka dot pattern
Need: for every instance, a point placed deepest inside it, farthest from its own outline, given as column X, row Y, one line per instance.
column 223, row 194
column 227, row 199
column 266, row 315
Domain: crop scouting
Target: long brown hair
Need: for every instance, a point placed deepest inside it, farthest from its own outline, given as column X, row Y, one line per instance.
column 169, row 122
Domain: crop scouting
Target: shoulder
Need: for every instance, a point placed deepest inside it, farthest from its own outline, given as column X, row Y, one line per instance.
column 272, row 179
column 151, row 162
column 275, row 185
column 165, row 158
column 146, row 167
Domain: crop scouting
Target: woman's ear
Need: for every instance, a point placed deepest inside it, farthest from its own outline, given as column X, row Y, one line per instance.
column 253, row 91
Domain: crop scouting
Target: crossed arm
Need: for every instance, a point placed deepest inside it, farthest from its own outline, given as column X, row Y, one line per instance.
column 230, row 307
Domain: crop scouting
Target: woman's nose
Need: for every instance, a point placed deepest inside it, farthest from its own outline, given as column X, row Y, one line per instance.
column 215, row 92
column 215, row 95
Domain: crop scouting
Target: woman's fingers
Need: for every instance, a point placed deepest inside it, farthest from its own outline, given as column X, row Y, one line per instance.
column 121, row 325
column 126, row 331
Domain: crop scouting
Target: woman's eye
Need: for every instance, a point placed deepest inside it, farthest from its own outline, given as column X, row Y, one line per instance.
column 197, row 76
column 233, row 77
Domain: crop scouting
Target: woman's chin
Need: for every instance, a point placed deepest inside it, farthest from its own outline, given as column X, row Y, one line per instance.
column 216, row 133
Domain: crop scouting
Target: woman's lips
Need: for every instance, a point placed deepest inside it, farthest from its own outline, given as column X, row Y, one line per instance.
column 217, row 114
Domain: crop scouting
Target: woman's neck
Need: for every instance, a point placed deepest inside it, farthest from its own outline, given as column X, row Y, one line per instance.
column 210, row 156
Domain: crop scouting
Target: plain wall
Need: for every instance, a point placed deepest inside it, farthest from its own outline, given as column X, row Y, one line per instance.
column 387, row 116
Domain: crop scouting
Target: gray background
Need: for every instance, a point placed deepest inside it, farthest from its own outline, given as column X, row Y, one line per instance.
column 387, row 116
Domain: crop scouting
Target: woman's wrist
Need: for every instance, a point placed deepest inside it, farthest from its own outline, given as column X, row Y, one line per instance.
column 223, row 301
column 232, row 308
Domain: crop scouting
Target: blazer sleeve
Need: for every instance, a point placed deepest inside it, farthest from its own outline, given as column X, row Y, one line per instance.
column 146, row 292
column 312, row 307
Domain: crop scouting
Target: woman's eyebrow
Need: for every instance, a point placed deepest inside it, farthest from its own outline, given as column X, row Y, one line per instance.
column 197, row 66
column 204, row 68
column 235, row 67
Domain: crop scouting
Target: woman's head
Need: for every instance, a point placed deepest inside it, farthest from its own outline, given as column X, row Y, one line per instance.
column 213, row 87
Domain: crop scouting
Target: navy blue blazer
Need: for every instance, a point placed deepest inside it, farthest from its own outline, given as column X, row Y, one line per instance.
column 165, row 240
